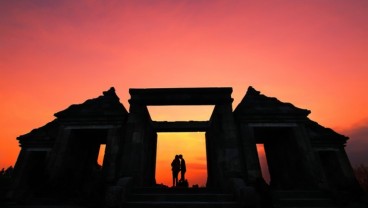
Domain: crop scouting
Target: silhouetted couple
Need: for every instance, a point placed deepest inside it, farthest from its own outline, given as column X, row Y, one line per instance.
column 178, row 165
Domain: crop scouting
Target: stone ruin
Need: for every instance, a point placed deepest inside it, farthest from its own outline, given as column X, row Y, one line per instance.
column 59, row 160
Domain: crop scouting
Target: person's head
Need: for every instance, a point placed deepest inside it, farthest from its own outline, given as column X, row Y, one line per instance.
column 180, row 156
column 176, row 156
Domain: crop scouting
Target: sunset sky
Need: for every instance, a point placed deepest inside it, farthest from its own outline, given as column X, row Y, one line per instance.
column 312, row 53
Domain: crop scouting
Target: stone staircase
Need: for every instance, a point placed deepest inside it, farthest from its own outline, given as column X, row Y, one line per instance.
column 305, row 199
column 42, row 203
column 179, row 198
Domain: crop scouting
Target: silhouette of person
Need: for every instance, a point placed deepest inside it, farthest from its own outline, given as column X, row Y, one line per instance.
column 183, row 168
column 175, row 168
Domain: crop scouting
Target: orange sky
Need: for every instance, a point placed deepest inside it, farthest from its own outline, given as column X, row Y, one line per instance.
column 192, row 147
column 56, row 53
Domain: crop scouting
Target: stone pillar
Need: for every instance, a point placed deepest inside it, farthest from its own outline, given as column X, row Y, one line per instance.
column 59, row 155
column 250, row 154
column 19, row 185
column 350, row 182
column 230, row 139
column 277, row 159
column 151, row 159
column 214, row 170
column 113, row 143
column 348, row 171
column 135, row 158
column 223, row 153
column 312, row 172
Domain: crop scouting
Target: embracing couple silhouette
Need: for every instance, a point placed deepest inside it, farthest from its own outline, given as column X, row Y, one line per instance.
column 178, row 165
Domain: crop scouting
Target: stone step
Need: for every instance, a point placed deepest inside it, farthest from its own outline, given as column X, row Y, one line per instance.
column 303, row 199
column 179, row 197
column 172, row 190
column 42, row 206
column 182, row 205
column 310, row 202
column 300, row 194
column 298, row 206
column 182, row 197
column 47, row 202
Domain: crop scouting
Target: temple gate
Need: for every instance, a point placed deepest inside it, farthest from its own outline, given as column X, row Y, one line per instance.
column 59, row 160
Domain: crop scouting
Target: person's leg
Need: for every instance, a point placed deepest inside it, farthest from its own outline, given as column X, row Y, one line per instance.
column 176, row 178
column 173, row 175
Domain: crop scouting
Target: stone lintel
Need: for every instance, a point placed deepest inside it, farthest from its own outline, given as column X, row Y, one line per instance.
column 180, row 126
column 38, row 149
column 181, row 96
column 273, row 124
column 271, row 119
column 92, row 126
column 326, row 148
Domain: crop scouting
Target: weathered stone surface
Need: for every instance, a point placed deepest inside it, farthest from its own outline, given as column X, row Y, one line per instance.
column 181, row 96
column 106, row 105
column 256, row 104
column 116, row 195
column 319, row 133
column 42, row 135
column 60, row 158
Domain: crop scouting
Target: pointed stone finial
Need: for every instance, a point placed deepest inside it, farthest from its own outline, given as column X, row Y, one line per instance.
column 252, row 91
column 111, row 91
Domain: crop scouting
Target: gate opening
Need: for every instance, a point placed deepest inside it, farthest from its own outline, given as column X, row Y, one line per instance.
column 192, row 145
column 101, row 155
column 263, row 162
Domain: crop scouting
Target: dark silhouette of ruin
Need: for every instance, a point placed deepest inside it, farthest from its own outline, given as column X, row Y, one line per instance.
column 307, row 162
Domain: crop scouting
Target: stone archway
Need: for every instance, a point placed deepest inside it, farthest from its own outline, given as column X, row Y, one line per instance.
column 141, row 134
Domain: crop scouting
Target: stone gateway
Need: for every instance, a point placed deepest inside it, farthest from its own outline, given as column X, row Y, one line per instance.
column 57, row 164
